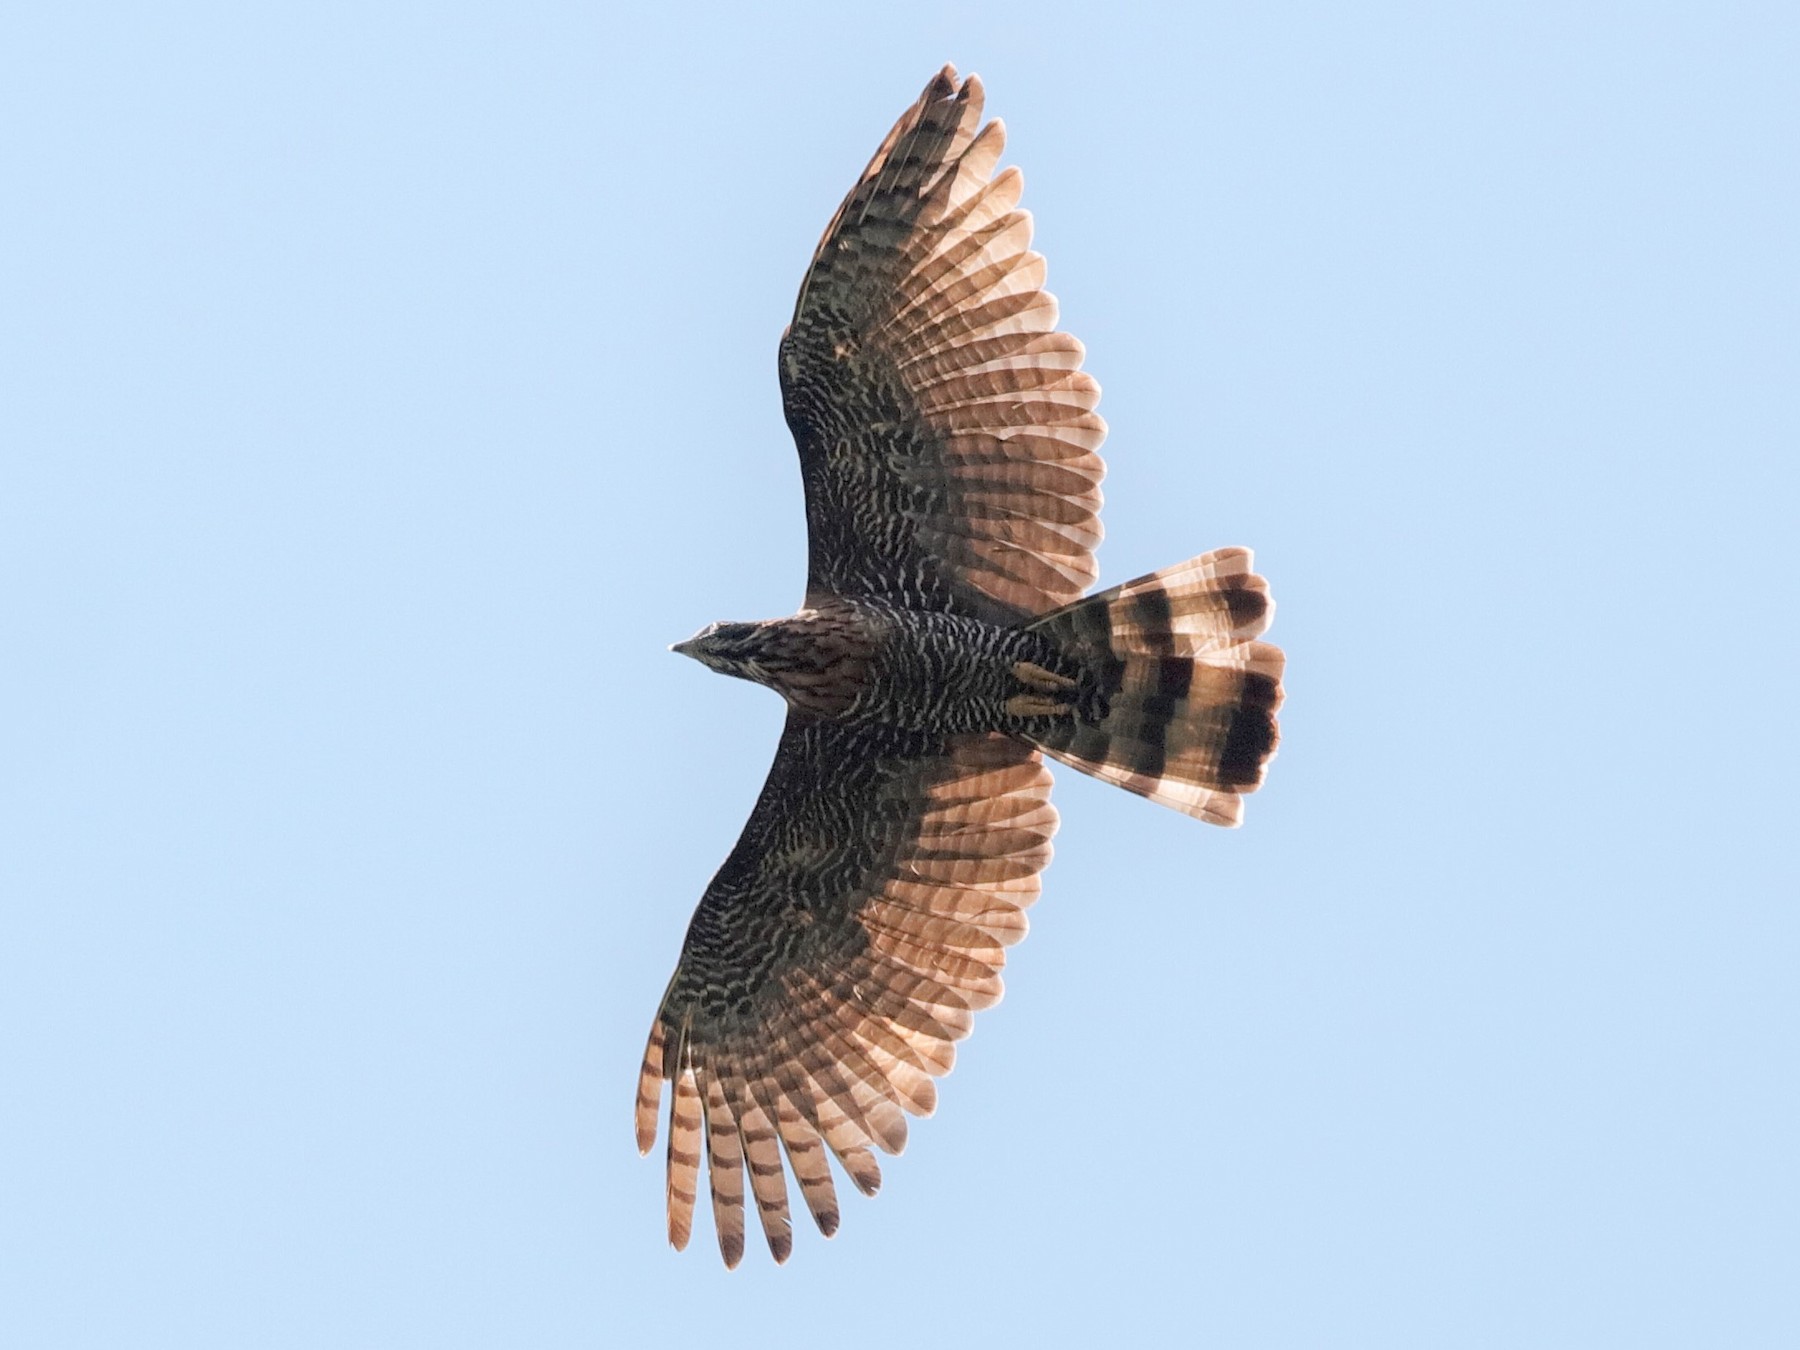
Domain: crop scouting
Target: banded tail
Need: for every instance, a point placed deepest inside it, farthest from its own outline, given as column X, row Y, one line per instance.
column 1188, row 695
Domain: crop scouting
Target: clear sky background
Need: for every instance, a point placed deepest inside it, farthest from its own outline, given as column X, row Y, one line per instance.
column 384, row 388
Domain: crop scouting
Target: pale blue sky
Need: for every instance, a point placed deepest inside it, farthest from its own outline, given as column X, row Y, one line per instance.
column 386, row 386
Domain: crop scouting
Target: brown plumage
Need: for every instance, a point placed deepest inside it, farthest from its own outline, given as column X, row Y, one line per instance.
column 947, row 443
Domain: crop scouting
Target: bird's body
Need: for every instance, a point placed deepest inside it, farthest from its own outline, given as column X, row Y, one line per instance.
column 866, row 662
column 947, row 440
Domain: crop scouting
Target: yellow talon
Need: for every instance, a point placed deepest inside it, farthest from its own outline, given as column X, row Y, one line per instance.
column 1034, row 676
column 1036, row 705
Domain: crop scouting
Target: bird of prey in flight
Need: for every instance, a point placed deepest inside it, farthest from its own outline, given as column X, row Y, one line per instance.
column 947, row 439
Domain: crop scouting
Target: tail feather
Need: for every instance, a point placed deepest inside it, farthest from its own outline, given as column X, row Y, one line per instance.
column 1182, row 708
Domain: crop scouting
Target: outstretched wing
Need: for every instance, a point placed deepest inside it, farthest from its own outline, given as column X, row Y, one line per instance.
column 946, row 432
column 835, row 958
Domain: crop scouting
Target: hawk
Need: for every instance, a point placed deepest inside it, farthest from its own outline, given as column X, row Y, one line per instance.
column 947, row 440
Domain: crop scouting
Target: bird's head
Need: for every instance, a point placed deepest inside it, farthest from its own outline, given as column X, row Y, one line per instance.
column 729, row 648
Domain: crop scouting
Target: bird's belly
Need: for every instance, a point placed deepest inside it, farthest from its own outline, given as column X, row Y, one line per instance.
column 946, row 674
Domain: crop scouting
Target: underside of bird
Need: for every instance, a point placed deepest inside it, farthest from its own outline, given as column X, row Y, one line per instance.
column 948, row 446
